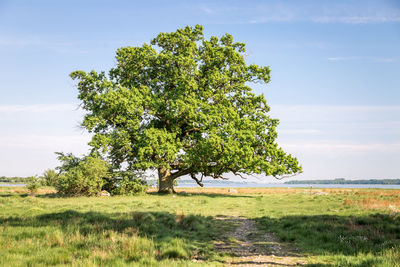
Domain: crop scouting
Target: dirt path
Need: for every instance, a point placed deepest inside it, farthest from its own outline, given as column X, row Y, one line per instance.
column 251, row 247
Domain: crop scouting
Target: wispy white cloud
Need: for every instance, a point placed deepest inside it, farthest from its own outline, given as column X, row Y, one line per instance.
column 341, row 58
column 385, row 59
column 45, row 142
column 30, row 135
column 207, row 10
column 375, row 18
column 60, row 46
column 343, row 158
column 318, row 135
column 300, row 131
column 37, row 108
column 29, row 154
column 373, row 59
column 336, row 125
column 275, row 11
column 31, row 41
column 335, row 108
column 340, row 148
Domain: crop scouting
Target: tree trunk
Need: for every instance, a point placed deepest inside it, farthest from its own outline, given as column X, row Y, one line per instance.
column 165, row 181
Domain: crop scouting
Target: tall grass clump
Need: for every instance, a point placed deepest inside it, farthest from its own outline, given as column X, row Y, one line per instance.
column 136, row 248
column 50, row 177
column 175, row 249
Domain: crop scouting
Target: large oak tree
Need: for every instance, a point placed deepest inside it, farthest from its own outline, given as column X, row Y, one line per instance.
column 182, row 105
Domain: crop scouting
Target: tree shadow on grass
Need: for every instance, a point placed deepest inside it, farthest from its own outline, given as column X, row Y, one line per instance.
column 152, row 224
column 180, row 194
column 26, row 193
column 14, row 194
column 205, row 194
column 196, row 231
column 46, row 195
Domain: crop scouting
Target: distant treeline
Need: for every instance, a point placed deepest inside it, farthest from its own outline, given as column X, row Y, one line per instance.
column 4, row 179
column 344, row 181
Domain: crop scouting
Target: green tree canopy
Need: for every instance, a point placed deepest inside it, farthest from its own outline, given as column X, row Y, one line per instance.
column 182, row 105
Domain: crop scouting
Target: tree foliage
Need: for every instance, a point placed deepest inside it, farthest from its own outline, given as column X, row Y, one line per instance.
column 183, row 105
column 33, row 184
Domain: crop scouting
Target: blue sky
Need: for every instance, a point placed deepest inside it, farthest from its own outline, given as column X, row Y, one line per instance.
column 335, row 74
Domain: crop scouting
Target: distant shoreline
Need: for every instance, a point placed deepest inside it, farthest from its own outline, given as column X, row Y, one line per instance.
column 11, row 184
column 228, row 184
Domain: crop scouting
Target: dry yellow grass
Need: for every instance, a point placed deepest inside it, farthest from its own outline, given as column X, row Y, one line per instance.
column 23, row 190
column 372, row 203
column 255, row 190
column 377, row 199
column 285, row 190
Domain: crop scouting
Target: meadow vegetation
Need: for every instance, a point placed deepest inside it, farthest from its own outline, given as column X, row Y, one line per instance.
column 332, row 227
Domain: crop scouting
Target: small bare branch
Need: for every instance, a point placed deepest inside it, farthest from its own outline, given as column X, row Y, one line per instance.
column 216, row 176
column 197, row 180
column 284, row 176
column 238, row 174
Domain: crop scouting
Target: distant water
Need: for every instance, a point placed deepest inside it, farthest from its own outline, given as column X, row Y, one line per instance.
column 219, row 183
column 12, row 185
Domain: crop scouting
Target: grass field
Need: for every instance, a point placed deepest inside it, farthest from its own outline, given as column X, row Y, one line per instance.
column 332, row 227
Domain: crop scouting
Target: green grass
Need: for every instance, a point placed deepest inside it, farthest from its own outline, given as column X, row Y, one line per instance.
column 338, row 229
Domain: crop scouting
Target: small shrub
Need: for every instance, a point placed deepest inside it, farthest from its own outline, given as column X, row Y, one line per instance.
column 33, row 184
column 83, row 177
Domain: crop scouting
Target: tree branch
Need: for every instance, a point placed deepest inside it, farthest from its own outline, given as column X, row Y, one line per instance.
column 197, row 180
column 181, row 173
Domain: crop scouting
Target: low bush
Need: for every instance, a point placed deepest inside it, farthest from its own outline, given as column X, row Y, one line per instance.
column 127, row 183
column 81, row 176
